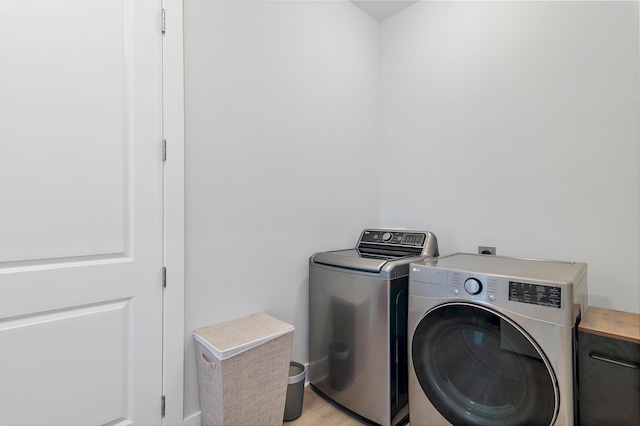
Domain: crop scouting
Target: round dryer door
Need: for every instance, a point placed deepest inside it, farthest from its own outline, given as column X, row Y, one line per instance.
column 477, row 367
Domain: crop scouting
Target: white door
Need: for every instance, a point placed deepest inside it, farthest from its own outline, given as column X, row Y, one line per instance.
column 80, row 212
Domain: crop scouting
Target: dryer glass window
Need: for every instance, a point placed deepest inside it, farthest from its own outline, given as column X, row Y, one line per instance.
column 479, row 368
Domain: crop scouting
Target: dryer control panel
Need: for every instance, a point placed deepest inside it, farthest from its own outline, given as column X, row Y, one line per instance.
column 517, row 285
column 433, row 282
column 535, row 294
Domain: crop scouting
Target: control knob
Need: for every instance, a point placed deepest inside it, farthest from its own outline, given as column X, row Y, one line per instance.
column 386, row 236
column 473, row 286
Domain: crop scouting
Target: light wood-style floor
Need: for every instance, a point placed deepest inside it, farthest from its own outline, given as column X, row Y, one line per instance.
column 316, row 411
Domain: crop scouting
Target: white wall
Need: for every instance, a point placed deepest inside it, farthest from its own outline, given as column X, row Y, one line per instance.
column 281, row 155
column 516, row 125
column 513, row 124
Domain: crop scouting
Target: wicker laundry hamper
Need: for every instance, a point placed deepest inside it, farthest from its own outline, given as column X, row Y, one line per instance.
column 243, row 368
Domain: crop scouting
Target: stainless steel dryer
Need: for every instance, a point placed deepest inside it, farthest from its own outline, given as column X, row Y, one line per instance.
column 358, row 322
column 492, row 340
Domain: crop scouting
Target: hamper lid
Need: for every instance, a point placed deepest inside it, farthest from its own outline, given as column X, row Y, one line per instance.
column 234, row 337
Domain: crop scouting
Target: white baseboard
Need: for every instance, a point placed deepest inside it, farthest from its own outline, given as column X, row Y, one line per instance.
column 193, row 420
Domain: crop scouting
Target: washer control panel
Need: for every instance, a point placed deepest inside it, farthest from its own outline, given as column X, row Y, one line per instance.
column 393, row 238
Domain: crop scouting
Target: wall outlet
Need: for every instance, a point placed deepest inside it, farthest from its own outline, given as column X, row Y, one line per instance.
column 486, row 250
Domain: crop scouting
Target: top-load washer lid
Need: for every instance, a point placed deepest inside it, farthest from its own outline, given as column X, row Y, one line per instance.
column 376, row 247
column 352, row 259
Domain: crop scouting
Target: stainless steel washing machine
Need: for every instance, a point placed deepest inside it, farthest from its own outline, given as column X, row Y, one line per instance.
column 492, row 340
column 358, row 322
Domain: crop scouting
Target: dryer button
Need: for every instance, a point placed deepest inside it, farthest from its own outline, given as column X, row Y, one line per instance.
column 492, row 298
column 473, row 286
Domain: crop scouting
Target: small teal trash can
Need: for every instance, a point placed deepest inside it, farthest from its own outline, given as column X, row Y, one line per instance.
column 295, row 391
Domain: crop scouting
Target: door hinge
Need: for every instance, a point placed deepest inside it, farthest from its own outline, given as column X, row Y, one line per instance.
column 164, row 150
column 163, row 21
column 164, row 277
column 162, row 406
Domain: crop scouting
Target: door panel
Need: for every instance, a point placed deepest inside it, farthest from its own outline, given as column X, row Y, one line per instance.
column 81, row 217
column 64, row 104
column 94, row 377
